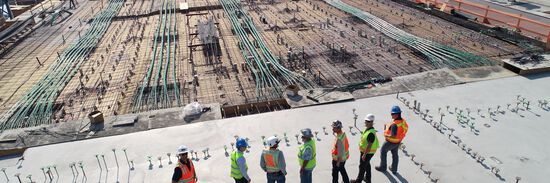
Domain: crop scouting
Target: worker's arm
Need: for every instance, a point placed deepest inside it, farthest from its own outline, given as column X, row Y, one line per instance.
column 262, row 163
column 370, row 141
column 393, row 130
column 242, row 166
column 177, row 175
column 282, row 164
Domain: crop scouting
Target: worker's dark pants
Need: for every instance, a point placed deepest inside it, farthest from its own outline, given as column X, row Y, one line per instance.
column 278, row 177
column 241, row 180
column 341, row 169
column 364, row 168
column 394, row 148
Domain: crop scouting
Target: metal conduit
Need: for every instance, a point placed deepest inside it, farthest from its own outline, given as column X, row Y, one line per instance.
column 36, row 106
column 437, row 54
column 163, row 57
column 263, row 64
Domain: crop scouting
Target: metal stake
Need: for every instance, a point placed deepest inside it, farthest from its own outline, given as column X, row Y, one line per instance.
column 126, row 155
column 82, row 168
column 160, row 161
column 4, row 170
column 116, row 159
column 104, row 162
column 30, row 178
column 169, row 159
column 56, row 172
column 18, row 178
column 150, row 163
column 132, row 163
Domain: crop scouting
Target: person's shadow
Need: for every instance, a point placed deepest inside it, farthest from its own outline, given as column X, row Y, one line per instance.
column 400, row 179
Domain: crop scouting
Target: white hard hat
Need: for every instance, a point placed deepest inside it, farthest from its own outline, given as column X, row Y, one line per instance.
column 272, row 141
column 182, row 149
column 369, row 117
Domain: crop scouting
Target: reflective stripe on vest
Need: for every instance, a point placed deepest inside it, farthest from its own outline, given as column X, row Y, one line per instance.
column 402, row 128
column 187, row 174
column 235, row 171
column 311, row 163
column 342, row 139
column 363, row 144
column 271, row 160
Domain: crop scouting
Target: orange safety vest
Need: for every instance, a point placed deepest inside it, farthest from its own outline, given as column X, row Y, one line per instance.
column 402, row 128
column 271, row 160
column 342, row 138
column 187, row 174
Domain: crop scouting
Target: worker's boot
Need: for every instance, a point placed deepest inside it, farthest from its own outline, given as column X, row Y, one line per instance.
column 380, row 169
column 393, row 171
column 355, row 181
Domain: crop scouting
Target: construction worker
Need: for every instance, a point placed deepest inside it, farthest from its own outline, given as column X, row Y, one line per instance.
column 273, row 161
column 367, row 148
column 239, row 167
column 306, row 156
column 340, row 153
column 394, row 133
column 185, row 170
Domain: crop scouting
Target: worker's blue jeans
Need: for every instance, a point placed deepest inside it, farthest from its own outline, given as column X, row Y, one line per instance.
column 278, row 177
column 306, row 177
column 394, row 148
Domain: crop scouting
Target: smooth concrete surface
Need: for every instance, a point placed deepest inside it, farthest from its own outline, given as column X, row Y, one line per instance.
column 512, row 142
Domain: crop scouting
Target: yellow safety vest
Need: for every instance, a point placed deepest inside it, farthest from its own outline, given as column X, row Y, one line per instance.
column 311, row 163
column 363, row 143
column 235, row 171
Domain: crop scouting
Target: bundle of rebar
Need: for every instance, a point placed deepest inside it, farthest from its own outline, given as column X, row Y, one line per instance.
column 163, row 60
column 269, row 75
column 37, row 105
column 437, row 54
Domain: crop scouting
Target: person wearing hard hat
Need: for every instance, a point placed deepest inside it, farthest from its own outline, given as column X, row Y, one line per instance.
column 340, row 153
column 306, row 156
column 185, row 170
column 394, row 133
column 273, row 161
column 367, row 149
column 239, row 168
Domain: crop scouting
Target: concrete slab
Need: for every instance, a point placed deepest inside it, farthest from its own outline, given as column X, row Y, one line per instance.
column 483, row 73
column 508, row 140
column 430, row 79
column 78, row 130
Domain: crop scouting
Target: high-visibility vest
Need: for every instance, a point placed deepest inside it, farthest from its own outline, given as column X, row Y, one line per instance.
column 311, row 163
column 363, row 143
column 235, row 171
column 187, row 174
column 271, row 159
column 402, row 129
column 341, row 139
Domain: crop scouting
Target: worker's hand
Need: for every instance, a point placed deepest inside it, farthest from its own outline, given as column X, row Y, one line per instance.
column 364, row 157
column 196, row 179
column 301, row 171
column 338, row 164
